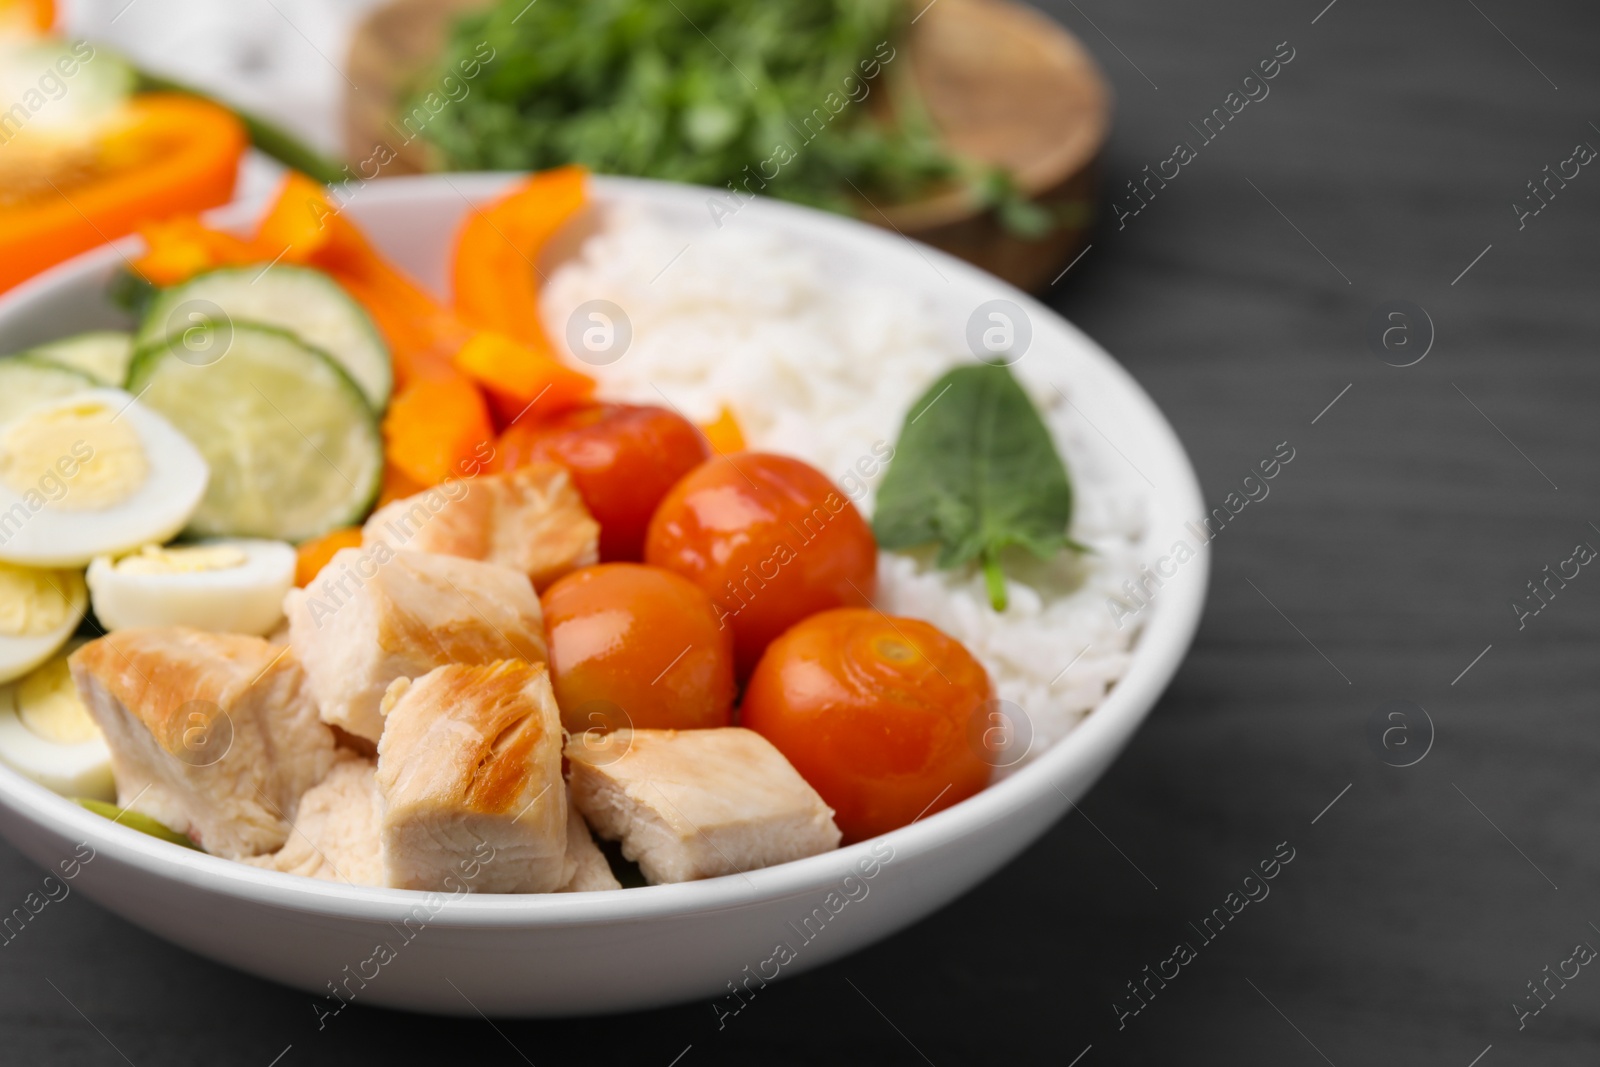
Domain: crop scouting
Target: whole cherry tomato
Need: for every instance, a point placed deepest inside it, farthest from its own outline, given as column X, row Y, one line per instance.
column 632, row 645
column 623, row 458
column 770, row 538
column 885, row 717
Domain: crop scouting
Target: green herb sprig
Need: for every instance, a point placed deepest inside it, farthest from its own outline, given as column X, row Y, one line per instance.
column 706, row 92
column 974, row 472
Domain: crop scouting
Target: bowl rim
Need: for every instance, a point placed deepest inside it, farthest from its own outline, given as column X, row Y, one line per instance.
column 1087, row 748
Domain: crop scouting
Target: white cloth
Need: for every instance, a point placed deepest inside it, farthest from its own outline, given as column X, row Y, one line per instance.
column 282, row 59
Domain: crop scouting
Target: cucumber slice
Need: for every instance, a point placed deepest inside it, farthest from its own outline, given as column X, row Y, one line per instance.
column 26, row 381
column 307, row 303
column 103, row 356
column 293, row 447
column 134, row 820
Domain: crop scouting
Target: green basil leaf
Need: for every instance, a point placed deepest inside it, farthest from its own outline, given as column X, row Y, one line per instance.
column 974, row 472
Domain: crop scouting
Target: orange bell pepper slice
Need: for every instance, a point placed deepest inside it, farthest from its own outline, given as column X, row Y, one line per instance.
column 439, row 423
column 438, row 428
column 290, row 232
column 724, row 433
column 295, row 227
column 35, row 15
column 39, row 15
column 421, row 332
column 523, row 375
column 304, row 227
column 313, row 555
column 496, row 282
column 177, row 249
column 397, row 485
column 172, row 155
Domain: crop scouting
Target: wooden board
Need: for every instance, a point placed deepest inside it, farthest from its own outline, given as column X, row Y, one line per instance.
column 1003, row 84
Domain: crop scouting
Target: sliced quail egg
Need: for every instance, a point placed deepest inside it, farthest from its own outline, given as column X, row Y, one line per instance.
column 39, row 609
column 95, row 473
column 234, row 586
column 47, row 734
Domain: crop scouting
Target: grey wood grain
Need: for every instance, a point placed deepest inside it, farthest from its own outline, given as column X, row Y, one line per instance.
column 1418, row 905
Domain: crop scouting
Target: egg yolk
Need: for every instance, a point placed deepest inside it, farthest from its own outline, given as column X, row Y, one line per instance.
column 79, row 457
column 48, row 704
column 34, row 601
column 190, row 559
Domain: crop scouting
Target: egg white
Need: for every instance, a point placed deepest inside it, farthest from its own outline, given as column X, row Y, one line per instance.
column 35, row 532
column 21, row 654
column 247, row 599
column 75, row 770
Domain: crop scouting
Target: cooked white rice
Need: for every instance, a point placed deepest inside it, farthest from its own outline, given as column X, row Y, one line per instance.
column 823, row 365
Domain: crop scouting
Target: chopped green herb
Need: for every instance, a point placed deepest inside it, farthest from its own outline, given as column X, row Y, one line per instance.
column 998, row 191
column 975, row 471
column 805, row 100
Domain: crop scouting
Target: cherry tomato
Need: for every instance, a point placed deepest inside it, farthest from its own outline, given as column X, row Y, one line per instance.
column 632, row 645
column 770, row 538
column 623, row 459
column 883, row 716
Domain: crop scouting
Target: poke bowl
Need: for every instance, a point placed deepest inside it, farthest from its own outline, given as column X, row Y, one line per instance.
column 825, row 340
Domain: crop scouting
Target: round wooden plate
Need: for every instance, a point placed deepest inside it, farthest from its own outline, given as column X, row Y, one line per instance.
column 1002, row 83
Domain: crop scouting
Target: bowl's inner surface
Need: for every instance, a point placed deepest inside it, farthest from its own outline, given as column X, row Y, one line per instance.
column 412, row 221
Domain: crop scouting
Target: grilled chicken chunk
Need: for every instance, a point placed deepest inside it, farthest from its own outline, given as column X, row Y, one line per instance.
column 215, row 735
column 373, row 615
column 469, row 769
column 335, row 834
column 530, row 519
column 591, row 872
column 690, row 804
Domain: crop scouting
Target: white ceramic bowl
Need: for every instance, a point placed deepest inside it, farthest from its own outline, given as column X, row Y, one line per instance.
column 606, row 952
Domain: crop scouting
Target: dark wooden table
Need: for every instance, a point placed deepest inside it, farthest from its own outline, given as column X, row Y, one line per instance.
column 1382, row 165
